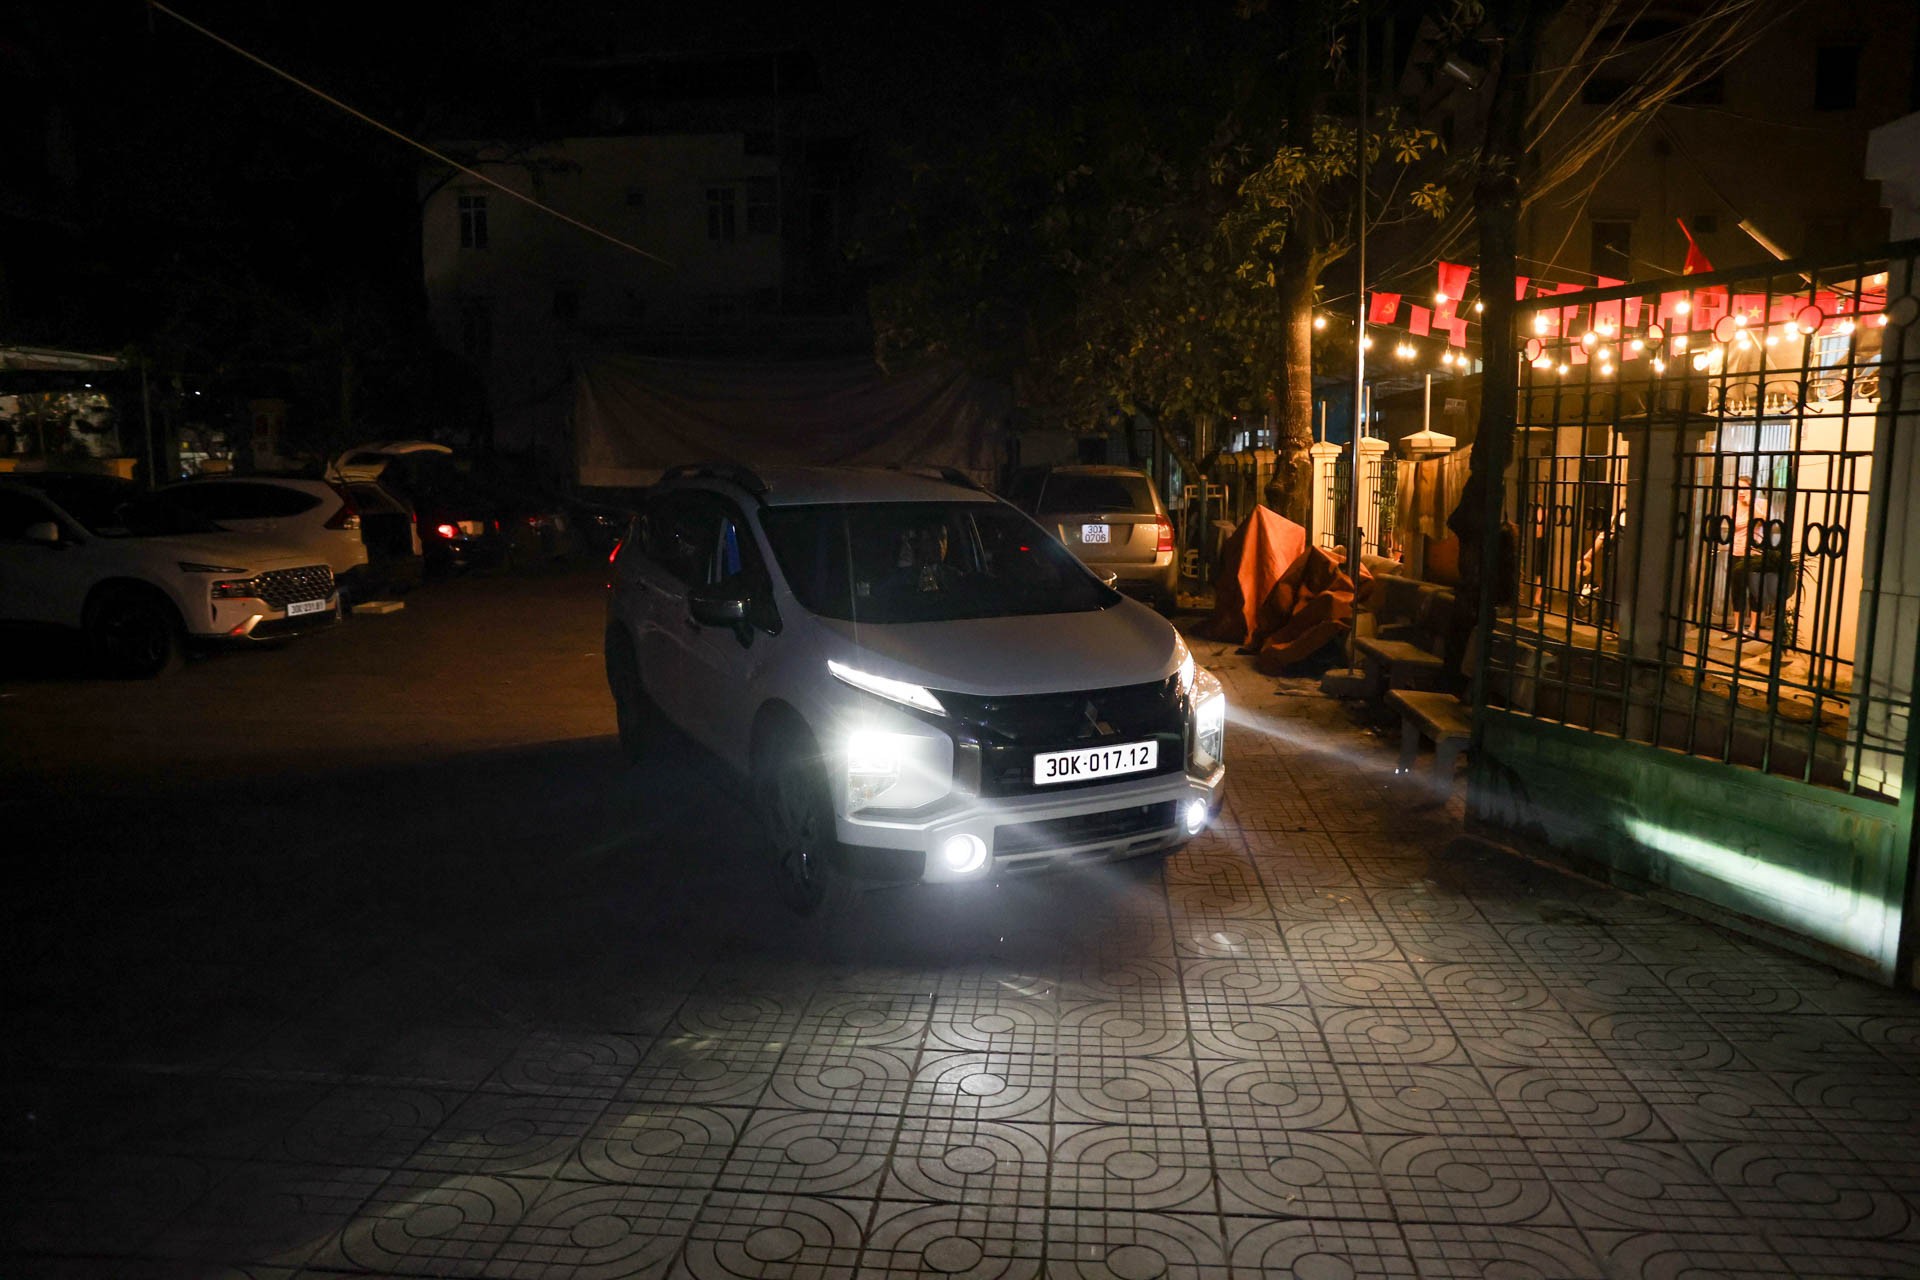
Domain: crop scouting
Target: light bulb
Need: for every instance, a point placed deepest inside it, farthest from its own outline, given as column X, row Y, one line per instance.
column 1440, row 299
column 1659, row 365
column 1740, row 322
column 1679, row 342
column 1637, row 345
column 1479, row 307
column 1565, row 369
column 1540, row 322
column 1366, row 343
column 1681, row 307
column 1319, row 322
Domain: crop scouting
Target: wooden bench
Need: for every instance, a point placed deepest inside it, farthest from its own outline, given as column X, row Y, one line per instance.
column 1439, row 717
column 1408, row 656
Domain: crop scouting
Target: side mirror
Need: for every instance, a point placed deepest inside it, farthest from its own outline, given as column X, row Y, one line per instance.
column 45, row 532
column 717, row 605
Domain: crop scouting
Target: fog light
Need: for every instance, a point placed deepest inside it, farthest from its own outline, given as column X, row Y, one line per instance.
column 964, row 853
column 1196, row 817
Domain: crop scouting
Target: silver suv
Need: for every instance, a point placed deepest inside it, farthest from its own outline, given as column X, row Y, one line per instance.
column 918, row 681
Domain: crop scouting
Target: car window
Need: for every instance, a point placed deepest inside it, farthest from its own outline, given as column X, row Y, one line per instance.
column 680, row 532
column 18, row 513
column 113, row 508
column 1070, row 492
column 240, row 500
column 926, row 562
column 371, row 499
column 1024, row 491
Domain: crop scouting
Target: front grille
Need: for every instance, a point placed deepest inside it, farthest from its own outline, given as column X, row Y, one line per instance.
column 282, row 587
column 1086, row 828
column 1000, row 736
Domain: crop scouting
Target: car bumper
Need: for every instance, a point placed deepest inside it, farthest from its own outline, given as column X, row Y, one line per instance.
column 1034, row 832
column 248, row 621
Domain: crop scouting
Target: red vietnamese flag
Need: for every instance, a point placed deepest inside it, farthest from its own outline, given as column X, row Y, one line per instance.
column 1696, row 260
column 1419, row 320
column 1453, row 281
column 1382, row 307
column 1457, row 331
column 1519, row 288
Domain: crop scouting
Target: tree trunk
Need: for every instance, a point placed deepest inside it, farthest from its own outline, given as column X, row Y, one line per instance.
column 1477, row 518
column 1291, row 491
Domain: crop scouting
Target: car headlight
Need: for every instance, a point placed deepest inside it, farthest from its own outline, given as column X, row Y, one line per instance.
column 909, row 695
column 897, row 770
column 237, row 589
column 1209, row 723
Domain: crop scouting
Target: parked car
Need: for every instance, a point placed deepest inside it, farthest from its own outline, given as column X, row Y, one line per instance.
column 314, row 516
column 918, row 681
column 369, row 461
column 1112, row 518
column 138, row 574
column 468, row 516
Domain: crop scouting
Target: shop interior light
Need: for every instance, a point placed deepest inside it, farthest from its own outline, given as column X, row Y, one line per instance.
column 1540, row 322
column 1679, row 343
column 1366, row 343
column 1682, row 307
column 1565, row 369
column 1846, row 326
column 1702, row 359
column 1637, row 346
column 1659, row 365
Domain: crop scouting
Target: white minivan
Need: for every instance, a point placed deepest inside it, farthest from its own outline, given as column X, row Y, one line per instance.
column 919, row 681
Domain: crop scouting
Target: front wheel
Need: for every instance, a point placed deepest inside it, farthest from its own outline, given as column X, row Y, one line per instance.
column 797, row 809
column 634, row 712
column 134, row 634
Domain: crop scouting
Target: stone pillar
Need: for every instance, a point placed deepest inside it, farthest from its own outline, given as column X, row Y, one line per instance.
column 1420, row 447
column 1884, row 648
column 1648, row 547
column 1324, row 456
column 1373, row 452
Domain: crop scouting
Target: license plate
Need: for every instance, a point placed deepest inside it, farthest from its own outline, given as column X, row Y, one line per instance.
column 1093, row 533
column 1094, row 762
column 299, row 607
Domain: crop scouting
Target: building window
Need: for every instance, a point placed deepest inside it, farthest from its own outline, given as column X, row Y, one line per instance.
column 720, row 214
column 476, row 330
column 1836, row 78
column 473, row 222
column 1610, row 252
column 566, row 302
column 763, row 207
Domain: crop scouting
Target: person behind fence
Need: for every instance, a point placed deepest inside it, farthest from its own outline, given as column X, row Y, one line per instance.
column 1754, row 569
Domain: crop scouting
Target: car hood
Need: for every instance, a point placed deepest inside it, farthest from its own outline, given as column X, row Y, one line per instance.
column 1044, row 653
column 237, row 550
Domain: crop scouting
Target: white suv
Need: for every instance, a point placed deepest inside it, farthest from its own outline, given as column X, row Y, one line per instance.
column 919, row 682
column 137, row 574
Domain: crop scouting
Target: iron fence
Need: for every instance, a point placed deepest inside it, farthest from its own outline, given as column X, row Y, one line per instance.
column 1698, row 534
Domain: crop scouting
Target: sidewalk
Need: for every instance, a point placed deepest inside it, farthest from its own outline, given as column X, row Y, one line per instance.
column 1330, row 1038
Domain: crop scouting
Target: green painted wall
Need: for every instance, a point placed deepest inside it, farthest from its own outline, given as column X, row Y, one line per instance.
column 1826, row 869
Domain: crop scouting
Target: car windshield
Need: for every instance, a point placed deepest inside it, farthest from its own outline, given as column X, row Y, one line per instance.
column 111, row 508
column 1082, row 492
column 888, row 562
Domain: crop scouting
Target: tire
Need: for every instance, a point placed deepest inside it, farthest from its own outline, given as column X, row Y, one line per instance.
column 796, row 808
column 134, row 633
column 638, row 718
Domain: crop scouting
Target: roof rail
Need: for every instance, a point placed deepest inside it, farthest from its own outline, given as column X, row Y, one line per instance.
column 952, row 475
column 733, row 472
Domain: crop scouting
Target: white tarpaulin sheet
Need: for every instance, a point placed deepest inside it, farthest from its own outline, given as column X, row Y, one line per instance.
column 637, row 415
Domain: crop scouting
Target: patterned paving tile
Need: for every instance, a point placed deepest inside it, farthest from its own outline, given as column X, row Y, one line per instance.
column 1525, row 1038
column 1204, row 936
column 1480, row 1180
column 570, row 1063
column 1280, row 1092
column 1456, row 1251
column 1242, row 981
column 1100, row 1244
column 1003, row 1241
column 528, row 1134
column 1122, row 1028
column 702, row 1071
column 808, row 1153
column 1642, row 1043
column 1144, row 1091
column 746, row 1234
column 1796, row 1042
column 829, row 1077
column 1484, row 985
column 1391, row 1036
column 868, row 1020
column 1236, row 1029
column 365, row 1125
column 1417, row 1098
column 1134, row 1167
column 1810, row 1188
column 1635, row 1186
column 1576, row 1102
column 1299, row 1174
column 957, row 1087
column 1731, row 1105
column 1667, row 1255
column 431, row 1224
column 1318, row 1247
column 1336, row 983
column 1004, row 1024
column 657, row 1144
column 969, row 1161
column 594, row 1231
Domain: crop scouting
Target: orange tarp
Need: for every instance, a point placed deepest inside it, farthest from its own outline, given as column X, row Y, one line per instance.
column 1311, row 604
column 1256, row 556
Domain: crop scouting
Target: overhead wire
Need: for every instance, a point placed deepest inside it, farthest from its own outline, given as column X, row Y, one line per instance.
column 390, row 131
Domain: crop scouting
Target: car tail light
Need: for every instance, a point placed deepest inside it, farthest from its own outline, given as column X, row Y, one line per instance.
column 1166, row 536
column 446, row 531
column 348, row 516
